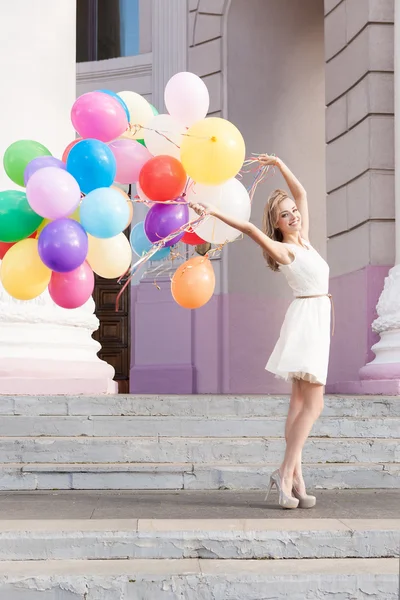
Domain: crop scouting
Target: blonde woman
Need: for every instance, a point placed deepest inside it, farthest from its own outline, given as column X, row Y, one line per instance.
column 302, row 351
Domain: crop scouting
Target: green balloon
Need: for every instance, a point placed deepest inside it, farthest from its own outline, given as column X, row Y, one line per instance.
column 17, row 219
column 141, row 142
column 18, row 155
column 155, row 111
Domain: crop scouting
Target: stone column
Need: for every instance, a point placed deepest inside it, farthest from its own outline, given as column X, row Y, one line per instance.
column 360, row 176
column 382, row 375
column 169, row 44
column 43, row 349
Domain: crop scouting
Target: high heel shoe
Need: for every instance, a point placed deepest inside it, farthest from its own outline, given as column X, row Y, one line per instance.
column 305, row 501
column 284, row 500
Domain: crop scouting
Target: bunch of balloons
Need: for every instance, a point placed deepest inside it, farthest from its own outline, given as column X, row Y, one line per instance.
column 69, row 222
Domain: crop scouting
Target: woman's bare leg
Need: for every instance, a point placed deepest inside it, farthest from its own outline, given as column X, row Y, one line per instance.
column 313, row 400
column 295, row 407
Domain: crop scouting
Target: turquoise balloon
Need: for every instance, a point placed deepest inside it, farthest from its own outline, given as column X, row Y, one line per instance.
column 141, row 244
column 104, row 213
column 93, row 165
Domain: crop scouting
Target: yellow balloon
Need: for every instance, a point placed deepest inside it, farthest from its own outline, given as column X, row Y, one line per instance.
column 75, row 216
column 22, row 273
column 213, row 151
column 110, row 257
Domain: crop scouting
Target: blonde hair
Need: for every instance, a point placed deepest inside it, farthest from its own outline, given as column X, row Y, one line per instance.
column 269, row 225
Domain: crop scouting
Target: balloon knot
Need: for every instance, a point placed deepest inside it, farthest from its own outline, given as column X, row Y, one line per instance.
column 213, row 139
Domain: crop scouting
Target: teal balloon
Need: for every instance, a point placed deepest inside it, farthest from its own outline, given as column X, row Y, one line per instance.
column 141, row 244
column 17, row 220
column 155, row 111
column 104, row 213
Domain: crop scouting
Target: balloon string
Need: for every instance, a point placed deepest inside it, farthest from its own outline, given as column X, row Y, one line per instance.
column 134, row 129
column 155, row 248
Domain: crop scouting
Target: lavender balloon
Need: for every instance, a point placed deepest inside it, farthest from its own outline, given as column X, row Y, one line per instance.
column 163, row 219
column 42, row 162
column 63, row 245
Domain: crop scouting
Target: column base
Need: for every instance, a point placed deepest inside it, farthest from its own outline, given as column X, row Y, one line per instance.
column 373, row 387
column 30, row 377
column 53, row 387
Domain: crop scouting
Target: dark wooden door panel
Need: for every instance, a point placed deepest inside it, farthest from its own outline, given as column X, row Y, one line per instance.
column 114, row 330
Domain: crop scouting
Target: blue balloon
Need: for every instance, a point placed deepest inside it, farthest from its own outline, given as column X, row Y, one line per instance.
column 141, row 244
column 93, row 165
column 104, row 213
column 124, row 106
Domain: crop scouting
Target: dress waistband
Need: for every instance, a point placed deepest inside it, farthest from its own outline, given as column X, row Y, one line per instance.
column 322, row 296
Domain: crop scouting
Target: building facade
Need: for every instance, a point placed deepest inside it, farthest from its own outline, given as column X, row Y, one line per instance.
column 312, row 82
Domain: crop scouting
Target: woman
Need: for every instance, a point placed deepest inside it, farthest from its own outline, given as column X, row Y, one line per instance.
column 302, row 351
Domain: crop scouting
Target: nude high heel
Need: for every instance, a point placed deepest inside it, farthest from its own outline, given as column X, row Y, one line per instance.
column 305, row 501
column 284, row 500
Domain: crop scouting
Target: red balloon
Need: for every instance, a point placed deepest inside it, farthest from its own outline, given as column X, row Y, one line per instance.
column 192, row 238
column 5, row 246
column 68, row 149
column 162, row 178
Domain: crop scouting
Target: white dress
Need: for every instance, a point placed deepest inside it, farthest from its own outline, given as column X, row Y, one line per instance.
column 302, row 351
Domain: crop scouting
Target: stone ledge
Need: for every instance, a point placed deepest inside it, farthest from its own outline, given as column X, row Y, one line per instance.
column 208, row 579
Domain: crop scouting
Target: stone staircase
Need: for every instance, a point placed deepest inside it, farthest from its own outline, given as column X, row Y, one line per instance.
column 195, row 443
column 199, row 560
column 191, row 443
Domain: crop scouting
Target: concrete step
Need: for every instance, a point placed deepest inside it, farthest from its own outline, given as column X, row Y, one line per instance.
column 192, row 406
column 191, row 579
column 192, row 450
column 184, row 476
column 138, row 426
column 245, row 539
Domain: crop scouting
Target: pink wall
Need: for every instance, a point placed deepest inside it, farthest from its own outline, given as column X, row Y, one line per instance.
column 355, row 298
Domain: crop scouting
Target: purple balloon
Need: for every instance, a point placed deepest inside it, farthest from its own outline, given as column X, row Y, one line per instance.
column 163, row 219
column 63, row 245
column 40, row 163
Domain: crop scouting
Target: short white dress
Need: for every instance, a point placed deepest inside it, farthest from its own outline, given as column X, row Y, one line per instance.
column 302, row 351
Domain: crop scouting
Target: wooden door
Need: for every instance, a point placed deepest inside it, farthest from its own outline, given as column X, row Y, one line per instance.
column 114, row 331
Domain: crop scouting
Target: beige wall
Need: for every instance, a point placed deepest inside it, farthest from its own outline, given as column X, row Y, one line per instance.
column 276, row 97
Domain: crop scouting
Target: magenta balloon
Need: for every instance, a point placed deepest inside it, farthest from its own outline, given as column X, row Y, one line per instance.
column 130, row 157
column 72, row 289
column 163, row 219
column 53, row 193
column 99, row 116
column 63, row 245
column 40, row 163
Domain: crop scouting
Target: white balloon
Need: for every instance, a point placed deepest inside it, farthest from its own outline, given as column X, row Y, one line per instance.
column 140, row 111
column 230, row 198
column 169, row 139
column 187, row 98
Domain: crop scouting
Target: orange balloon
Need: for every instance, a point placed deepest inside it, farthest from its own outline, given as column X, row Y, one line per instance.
column 193, row 283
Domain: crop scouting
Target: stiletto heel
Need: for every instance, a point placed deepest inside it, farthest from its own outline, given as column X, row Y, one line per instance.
column 304, row 501
column 270, row 486
column 284, row 500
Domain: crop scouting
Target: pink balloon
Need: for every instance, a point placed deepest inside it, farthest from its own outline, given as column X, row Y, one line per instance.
column 187, row 98
column 99, row 116
column 53, row 193
column 130, row 157
column 72, row 289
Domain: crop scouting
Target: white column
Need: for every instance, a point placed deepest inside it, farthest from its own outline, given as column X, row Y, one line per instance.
column 43, row 348
column 169, row 44
column 386, row 365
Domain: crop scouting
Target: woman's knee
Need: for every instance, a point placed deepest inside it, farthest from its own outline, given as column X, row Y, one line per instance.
column 313, row 395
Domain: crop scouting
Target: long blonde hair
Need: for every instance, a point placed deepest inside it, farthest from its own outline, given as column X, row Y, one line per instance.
column 269, row 225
